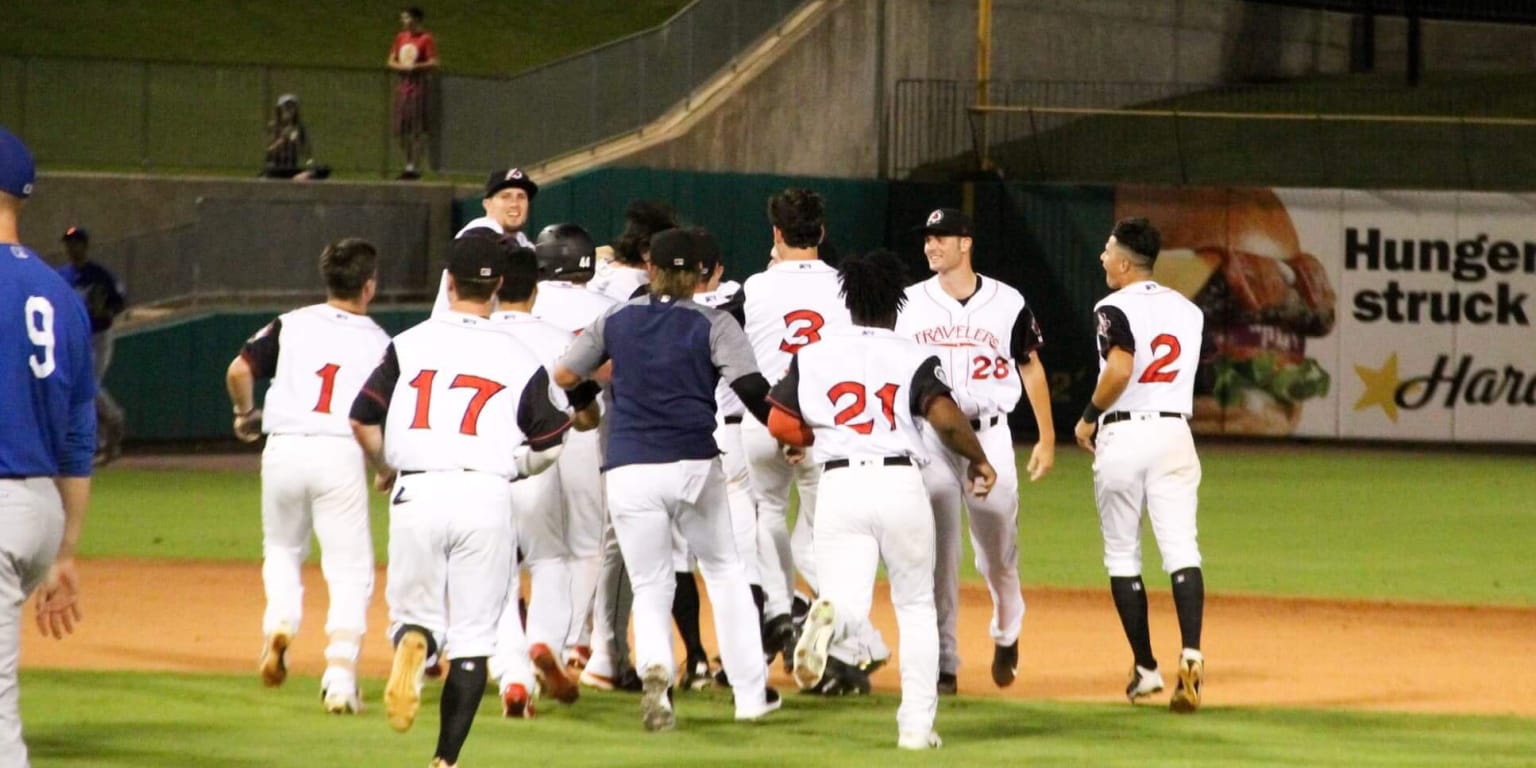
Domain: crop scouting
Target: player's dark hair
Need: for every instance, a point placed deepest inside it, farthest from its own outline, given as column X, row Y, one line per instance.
column 1140, row 238
column 415, row 12
column 874, row 287
column 522, row 274
column 478, row 289
column 346, row 265
column 642, row 220
column 799, row 214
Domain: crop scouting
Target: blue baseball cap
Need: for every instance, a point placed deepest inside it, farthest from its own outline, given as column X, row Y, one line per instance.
column 17, row 171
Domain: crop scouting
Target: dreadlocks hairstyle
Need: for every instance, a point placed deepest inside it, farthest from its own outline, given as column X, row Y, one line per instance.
column 642, row 220
column 874, row 287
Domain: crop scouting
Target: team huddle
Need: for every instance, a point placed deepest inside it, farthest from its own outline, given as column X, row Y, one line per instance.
column 610, row 422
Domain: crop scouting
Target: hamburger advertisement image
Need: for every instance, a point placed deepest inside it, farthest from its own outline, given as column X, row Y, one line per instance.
column 1398, row 315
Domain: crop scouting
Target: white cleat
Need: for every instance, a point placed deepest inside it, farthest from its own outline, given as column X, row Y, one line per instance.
column 815, row 639
column 341, row 699
column 1144, row 682
column 919, row 740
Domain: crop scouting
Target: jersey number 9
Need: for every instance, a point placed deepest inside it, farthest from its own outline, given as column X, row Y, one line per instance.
column 40, row 332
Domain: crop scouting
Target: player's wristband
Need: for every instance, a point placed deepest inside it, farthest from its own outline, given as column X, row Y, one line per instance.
column 242, row 414
column 582, row 395
column 1092, row 413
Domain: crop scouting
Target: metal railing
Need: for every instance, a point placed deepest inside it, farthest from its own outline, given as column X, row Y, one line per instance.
column 1494, row 11
column 176, row 117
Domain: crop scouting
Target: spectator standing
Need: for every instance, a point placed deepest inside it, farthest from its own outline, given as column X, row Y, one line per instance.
column 103, row 295
column 413, row 57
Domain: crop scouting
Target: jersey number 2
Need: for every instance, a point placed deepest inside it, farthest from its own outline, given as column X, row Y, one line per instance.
column 801, row 327
column 845, row 418
column 485, row 389
column 1154, row 374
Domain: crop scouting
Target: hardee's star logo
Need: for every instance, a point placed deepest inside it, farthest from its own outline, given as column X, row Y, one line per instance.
column 1380, row 387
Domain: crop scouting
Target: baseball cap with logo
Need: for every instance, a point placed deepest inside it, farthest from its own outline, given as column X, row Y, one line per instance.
column 76, row 233
column 477, row 258
column 511, row 177
column 676, row 249
column 947, row 221
column 17, row 171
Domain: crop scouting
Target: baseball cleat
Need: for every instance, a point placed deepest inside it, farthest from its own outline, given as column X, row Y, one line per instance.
column 1005, row 664
column 402, row 695
column 919, row 740
column 771, row 703
column 656, row 699
column 1186, row 694
column 949, row 684
column 341, row 699
column 841, row 679
column 1144, row 682
column 274, row 669
column 515, row 702
column 697, row 675
column 810, row 654
column 577, row 656
column 552, row 675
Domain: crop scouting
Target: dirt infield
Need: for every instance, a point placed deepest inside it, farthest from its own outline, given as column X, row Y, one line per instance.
column 190, row 617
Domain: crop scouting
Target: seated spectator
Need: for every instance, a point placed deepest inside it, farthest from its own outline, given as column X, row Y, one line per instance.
column 289, row 155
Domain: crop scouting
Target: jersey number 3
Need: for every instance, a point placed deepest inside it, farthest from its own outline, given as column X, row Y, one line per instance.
column 1154, row 374
column 845, row 418
column 801, row 327
column 485, row 389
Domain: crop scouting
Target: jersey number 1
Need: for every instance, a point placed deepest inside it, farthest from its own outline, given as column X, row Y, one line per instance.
column 327, row 376
column 485, row 389
column 845, row 418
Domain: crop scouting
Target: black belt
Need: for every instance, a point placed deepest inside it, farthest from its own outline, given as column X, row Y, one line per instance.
column 1114, row 416
column 733, row 419
column 889, row 461
column 989, row 422
column 21, row 477
column 405, row 472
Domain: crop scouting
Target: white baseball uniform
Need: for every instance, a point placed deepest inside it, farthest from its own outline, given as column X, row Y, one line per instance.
column 789, row 305
column 486, row 222
column 465, row 402
column 860, row 391
column 621, row 282
column 981, row 342
column 313, row 475
column 1144, row 453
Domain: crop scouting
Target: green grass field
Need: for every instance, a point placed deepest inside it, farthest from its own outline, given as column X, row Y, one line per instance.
column 474, row 38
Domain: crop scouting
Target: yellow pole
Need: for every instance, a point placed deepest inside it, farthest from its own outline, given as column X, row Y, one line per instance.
column 983, row 74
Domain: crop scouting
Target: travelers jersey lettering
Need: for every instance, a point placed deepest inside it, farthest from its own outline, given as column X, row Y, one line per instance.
column 668, row 356
column 318, row 358
column 47, row 382
column 568, row 306
column 861, row 390
column 460, row 393
column 726, row 298
column 980, row 342
column 788, row 306
column 1163, row 330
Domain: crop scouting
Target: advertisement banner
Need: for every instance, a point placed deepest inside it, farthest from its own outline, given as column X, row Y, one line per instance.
column 1379, row 315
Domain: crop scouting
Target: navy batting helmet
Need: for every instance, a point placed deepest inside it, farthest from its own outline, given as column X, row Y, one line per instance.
column 566, row 252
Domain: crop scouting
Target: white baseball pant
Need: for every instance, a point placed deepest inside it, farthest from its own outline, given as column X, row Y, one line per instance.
column 738, row 493
column 317, row 483
column 451, row 544
column 779, row 553
column 994, row 524
column 581, row 488
column 644, row 500
column 1150, row 461
column 31, row 527
column 875, row 512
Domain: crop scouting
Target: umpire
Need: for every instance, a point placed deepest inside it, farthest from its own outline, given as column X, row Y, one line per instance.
column 663, row 467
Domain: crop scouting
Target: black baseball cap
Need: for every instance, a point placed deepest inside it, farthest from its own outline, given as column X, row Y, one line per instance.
column 76, row 233
column 477, row 258
column 708, row 249
column 511, row 177
column 947, row 221
column 676, row 249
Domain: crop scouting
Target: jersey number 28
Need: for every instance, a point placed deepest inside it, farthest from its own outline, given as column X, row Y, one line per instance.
column 845, row 418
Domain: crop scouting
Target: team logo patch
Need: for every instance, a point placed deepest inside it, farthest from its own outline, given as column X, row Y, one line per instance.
column 938, row 373
column 516, row 174
column 1103, row 324
column 26, row 189
column 935, row 217
column 18, row 252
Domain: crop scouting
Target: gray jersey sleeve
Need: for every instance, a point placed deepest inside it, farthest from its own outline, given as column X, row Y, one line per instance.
column 729, row 348
column 589, row 351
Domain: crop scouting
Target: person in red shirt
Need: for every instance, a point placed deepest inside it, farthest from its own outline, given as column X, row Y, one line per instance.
column 413, row 56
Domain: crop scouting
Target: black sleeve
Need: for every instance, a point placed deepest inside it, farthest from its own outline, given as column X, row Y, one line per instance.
column 929, row 382
column 640, row 290
column 1114, row 330
column 260, row 351
column 542, row 423
column 582, row 395
column 1026, row 335
column 736, row 307
column 116, row 302
column 372, row 402
column 786, row 393
column 753, row 391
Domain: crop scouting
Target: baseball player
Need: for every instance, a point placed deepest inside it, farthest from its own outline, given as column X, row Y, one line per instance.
column 627, row 273
column 103, row 293
column 312, row 474
column 1136, row 427
column 856, row 395
column 468, row 408
column 788, row 306
column 662, row 469
column 507, row 202
column 986, row 336
column 567, row 257
column 47, row 436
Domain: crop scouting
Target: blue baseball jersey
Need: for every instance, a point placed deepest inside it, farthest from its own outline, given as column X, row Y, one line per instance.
column 667, row 357
column 47, row 383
